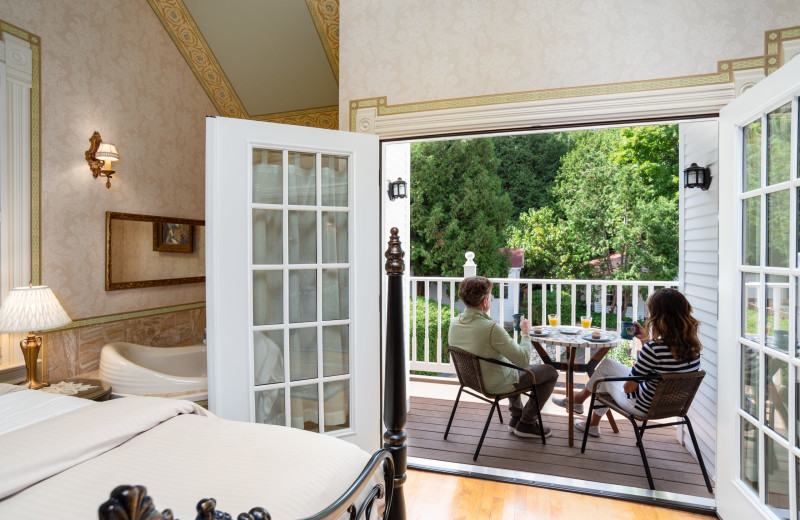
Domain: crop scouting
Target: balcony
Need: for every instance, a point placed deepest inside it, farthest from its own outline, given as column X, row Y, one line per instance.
column 611, row 463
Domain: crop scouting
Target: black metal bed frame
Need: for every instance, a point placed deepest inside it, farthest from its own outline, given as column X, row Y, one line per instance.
column 132, row 502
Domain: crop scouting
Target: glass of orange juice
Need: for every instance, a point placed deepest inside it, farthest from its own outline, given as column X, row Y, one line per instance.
column 586, row 321
column 552, row 319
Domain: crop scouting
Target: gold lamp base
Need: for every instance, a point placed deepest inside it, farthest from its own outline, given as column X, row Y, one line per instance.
column 30, row 349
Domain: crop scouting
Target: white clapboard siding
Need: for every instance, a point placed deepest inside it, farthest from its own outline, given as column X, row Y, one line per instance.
column 699, row 267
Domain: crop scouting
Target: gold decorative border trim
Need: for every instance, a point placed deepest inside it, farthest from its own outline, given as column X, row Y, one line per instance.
column 773, row 57
column 755, row 62
column 36, row 145
column 324, row 117
column 99, row 320
column 384, row 108
column 325, row 14
column 771, row 60
column 183, row 30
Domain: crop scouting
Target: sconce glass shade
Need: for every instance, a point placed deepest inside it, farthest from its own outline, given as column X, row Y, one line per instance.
column 397, row 189
column 107, row 152
column 31, row 309
column 697, row 177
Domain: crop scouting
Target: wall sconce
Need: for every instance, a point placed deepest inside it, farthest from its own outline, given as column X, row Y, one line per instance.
column 397, row 189
column 99, row 156
column 697, row 177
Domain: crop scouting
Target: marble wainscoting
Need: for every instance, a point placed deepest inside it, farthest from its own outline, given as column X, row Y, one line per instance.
column 76, row 351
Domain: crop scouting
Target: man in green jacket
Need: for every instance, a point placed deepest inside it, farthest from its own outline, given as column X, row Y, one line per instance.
column 475, row 332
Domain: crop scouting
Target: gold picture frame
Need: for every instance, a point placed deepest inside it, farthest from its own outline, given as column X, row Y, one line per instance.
column 173, row 237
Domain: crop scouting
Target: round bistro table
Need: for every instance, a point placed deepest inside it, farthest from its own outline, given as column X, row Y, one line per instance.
column 571, row 343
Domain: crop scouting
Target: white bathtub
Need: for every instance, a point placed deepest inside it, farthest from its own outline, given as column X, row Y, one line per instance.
column 143, row 370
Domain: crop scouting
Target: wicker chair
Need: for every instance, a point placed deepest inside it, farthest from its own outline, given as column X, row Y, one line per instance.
column 673, row 397
column 468, row 368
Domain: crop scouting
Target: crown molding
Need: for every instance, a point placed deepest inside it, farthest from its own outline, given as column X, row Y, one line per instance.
column 324, row 117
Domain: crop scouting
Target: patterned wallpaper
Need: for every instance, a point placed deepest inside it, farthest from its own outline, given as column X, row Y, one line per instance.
column 419, row 50
column 110, row 66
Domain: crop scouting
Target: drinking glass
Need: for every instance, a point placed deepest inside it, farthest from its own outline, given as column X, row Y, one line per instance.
column 586, row 321
column 553, row 320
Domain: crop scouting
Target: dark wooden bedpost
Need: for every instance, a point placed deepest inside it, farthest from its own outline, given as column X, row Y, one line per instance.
column 394, row 396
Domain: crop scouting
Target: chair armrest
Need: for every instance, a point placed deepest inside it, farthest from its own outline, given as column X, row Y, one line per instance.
column 510, row 365
column 638, row 379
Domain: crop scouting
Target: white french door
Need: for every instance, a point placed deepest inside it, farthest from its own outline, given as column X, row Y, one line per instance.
column 293, row 277
column 758, row 440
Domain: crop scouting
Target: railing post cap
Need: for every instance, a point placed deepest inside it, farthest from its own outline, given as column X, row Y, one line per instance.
column 469, row 255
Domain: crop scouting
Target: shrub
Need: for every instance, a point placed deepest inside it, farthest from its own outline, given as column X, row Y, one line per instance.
column 622, row 354
column 433, row 309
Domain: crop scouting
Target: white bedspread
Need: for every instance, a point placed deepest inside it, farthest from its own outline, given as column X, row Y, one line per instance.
column 74, row 460
column 21, row 407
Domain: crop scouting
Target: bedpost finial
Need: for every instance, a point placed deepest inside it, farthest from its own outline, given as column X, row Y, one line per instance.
column 131, row 503
column 394, row 255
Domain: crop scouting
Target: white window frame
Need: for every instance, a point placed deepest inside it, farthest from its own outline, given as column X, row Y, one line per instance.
column 16, row 81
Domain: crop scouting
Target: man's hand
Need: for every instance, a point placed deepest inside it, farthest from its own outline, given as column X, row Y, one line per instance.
column 525, row 325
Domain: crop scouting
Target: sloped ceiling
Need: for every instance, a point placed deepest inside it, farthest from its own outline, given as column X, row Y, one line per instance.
column 271, row 60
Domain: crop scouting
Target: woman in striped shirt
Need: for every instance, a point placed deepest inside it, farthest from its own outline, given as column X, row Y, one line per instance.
column 670, row 345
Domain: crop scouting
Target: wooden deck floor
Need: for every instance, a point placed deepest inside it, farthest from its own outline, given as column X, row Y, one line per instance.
column 612, row 458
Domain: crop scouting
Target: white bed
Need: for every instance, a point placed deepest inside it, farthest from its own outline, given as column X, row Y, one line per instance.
column 61, row 456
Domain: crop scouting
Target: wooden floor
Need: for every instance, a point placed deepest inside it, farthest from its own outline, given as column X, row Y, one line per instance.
column 435, row 496
column 612, row 458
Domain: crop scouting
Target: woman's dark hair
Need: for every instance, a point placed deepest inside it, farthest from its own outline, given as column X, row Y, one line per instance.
column 474, row 289
column 672, row 324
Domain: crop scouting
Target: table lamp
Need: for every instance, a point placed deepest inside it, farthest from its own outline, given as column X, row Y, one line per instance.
column 29, row 309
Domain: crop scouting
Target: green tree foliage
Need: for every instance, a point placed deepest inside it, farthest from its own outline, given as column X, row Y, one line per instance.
column 549, row 246
column 457, row 205
column 614, row 205
column 654, row 152
column 528, row 165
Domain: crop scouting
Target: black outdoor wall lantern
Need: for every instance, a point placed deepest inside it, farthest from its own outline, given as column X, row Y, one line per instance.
column 397, row 189
column 697, row 177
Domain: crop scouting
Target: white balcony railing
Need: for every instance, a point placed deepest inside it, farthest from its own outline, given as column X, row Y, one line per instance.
column 584, row 297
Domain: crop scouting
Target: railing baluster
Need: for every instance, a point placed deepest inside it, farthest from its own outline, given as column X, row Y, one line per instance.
column 515, row 300
column 603, row 298
column 439, row 323
column 530, row 301
column 588, row 299
column 414, row 355
column 558, row 301
column 620, row 313
column 427, row 322
column 502, row 304
column 574, row 301
column 635, row 302
column 544, row 304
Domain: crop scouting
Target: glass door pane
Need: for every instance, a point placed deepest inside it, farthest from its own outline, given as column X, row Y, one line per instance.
column 752, row 156
column 779, row 126
column 301, row 238
column 770, row 283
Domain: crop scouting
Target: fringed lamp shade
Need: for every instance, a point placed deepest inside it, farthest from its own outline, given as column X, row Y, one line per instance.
column 31, row 309
column 107, row 152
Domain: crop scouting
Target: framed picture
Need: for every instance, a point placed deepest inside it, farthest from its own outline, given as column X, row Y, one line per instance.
column 172, row 237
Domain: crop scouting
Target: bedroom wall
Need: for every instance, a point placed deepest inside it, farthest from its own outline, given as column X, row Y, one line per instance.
column 419, row 50
column 110, row 66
